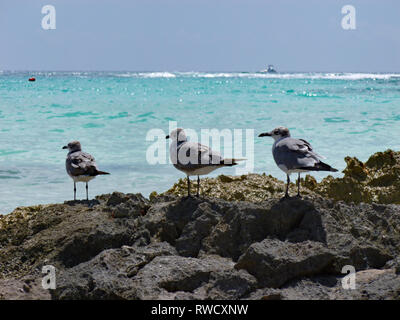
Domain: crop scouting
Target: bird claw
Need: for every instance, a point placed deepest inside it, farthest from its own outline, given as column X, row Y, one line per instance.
column 285, row 197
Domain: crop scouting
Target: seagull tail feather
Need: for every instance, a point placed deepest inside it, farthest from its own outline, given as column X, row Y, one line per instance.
column 231, row 161
column 320, row 166
column 101, row 172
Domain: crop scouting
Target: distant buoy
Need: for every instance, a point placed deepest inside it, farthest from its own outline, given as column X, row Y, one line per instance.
column 32, row 79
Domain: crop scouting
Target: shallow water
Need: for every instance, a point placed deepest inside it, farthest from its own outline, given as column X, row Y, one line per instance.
column 111, row 112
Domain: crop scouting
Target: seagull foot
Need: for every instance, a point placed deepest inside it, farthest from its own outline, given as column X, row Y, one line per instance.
column 285, row 197
column 89, row 203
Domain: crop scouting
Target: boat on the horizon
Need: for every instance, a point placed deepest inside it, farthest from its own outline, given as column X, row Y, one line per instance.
column 270, row 69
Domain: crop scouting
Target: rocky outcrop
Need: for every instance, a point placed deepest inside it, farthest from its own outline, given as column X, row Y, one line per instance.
column 372, row 284
column 274, row 262
column 376, row 180
column 123, row 246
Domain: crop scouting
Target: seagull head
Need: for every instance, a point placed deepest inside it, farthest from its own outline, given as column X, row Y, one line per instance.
column 177, row 135
column 73, row 146
column 277, row 133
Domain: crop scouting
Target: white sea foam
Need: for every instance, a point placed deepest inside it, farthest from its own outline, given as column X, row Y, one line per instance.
column 144, row 75
column 157, row 75
column 330, row 76
column 249, row 75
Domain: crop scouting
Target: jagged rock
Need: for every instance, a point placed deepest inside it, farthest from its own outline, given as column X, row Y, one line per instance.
column 376, row 180
column 123, row 246
column 313, row 288
column 394, row 264
column 246, row 223
column 170, row 277
column 250, row 187
column 126, row 205
column 274, row 262
column 230, row 285
column 205, row 218
column 371, row 284
column 109, row 274
column 63, row 235
column 27, row 288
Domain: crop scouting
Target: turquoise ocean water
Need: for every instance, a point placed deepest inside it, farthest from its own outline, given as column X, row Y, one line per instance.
column 343, row 114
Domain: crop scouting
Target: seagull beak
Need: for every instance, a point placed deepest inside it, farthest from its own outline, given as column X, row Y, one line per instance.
column 167, row 137
column 65, row 147
column 265, row 134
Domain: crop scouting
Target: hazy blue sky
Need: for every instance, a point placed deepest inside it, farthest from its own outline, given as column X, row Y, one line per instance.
column 202, row 35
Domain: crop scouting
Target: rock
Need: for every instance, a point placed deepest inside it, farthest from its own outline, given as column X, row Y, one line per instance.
column 393, row 264
column 371, row 284
column 309, row 288
column 152, row 272
column 23, row 289
column 176, row 277
column 224, row 178
column 190, row 240
column 109, row 274
column 376, row 180
column 245, row 223
column 122, row 205
column 61, row 235
column 251, row 187
column 123, row 246
column 274, row 262
column 230, row 285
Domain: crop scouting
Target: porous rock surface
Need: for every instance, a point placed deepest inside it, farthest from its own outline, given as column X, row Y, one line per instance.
column 124, row 246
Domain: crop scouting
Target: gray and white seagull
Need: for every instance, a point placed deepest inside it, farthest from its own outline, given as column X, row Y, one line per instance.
column 195, row 159
column 294, row 155
column 80, row 166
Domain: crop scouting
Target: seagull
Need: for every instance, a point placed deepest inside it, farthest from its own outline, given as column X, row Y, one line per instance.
column 80, row 166
column 294, row 155
column 195, row 159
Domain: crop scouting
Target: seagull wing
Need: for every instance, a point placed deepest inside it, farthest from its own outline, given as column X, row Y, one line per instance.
column 303, row 147
column 294, row 153
column 81, row 163
column 194, row 155
column 310, row 148
column 208, row 156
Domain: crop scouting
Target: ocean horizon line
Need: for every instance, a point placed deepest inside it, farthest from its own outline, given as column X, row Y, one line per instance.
column 205, row 74
column 202, row 71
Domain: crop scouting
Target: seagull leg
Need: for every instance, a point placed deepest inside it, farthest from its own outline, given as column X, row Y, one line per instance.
column 74, row 191
column 198, row 185
column 188, row 180
column 298, row 187
column 87, row 192
column 287, row 187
